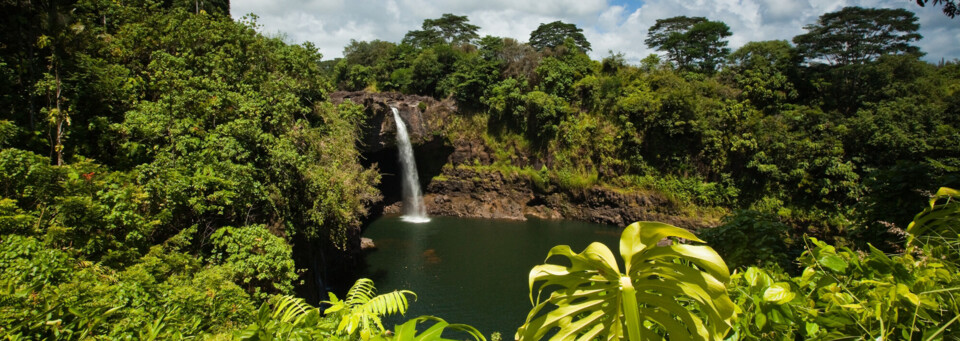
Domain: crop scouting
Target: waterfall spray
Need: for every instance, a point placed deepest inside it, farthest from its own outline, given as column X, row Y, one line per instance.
column 413, row 208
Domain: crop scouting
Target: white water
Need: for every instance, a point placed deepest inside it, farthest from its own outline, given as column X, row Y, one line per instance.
column 413, row 209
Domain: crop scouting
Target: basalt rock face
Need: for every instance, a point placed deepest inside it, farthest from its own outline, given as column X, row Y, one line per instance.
column 464, row 190
column 423, row 115
column 455, row 186
column 619, row 208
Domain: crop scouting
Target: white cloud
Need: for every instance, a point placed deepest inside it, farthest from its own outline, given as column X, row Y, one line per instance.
column 330, row 24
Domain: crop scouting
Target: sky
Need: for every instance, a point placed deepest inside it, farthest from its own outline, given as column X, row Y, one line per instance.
column 619, row 26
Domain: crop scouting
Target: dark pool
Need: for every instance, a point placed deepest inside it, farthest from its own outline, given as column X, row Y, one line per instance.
column 471, row 271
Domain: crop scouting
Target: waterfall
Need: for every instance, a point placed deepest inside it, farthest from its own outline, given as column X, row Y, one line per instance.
column 413, row 209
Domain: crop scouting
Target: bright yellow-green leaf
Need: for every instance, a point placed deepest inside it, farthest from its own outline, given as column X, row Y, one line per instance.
column 591, row 298
column 834, row 262
column 904, row 292
column 779, row 293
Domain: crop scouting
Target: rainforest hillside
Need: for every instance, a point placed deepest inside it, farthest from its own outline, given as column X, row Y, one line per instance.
column 832, row 140
column 165, row 166
column 168, row 172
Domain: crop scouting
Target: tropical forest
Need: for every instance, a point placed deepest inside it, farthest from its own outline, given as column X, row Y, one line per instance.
column 169, row 171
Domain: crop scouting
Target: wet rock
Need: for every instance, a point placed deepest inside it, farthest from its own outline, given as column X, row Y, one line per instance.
column 393, row 209
column 423, row 115
column 542, row 212
column 367, row 244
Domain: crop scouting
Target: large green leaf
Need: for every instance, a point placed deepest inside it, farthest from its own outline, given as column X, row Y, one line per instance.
column 939, row 221
column 674, row 291
column 408, row 331
column 834, row 262
column 779, row 293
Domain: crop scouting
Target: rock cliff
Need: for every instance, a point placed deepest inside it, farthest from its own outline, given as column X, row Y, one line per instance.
column 423, row 115
column 459, row 181
column 467, row 191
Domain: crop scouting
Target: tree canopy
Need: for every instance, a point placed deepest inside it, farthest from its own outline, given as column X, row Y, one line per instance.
column 772, row 53
column 692, row 43
column 449, row 28
column 950, row 8
column 554, row 34
column 855, row 35
column 164, row 169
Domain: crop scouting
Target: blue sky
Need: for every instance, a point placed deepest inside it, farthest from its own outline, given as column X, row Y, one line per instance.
column 610, row 25
column 630, row 5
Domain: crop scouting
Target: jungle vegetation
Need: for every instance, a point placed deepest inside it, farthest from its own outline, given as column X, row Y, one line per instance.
column 160, row 164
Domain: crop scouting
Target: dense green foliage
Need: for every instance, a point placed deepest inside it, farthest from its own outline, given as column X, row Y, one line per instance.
column 160, row 164
column 357, row 317
column 752, row 238
column 793, row 142
column 841, row 150
column 843, row 293
column 158, row 161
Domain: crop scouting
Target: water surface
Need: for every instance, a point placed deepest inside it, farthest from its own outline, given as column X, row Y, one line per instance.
column 471, row 271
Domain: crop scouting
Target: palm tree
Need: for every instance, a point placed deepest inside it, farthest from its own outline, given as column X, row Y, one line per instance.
column 676, row 290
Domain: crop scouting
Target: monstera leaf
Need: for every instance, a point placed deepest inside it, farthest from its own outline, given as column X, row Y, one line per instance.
column 674, row 291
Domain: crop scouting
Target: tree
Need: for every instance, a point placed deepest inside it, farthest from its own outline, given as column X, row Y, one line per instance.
column 195, row 6
column 774, row 54
column 765, row 71
column 554, row 34
column 519, row 59
column 593, row 298
column 472, row 75
column 950, row 8
column 449, row 28
column 855, row 35
column 692, row 43
column 422, row 38
column 367, row 53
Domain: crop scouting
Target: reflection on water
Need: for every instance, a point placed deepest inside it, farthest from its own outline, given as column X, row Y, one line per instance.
column 430, row 256
column 471, row 271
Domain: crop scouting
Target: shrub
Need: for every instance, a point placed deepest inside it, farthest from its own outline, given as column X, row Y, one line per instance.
column 260, row 261
column 748, row 238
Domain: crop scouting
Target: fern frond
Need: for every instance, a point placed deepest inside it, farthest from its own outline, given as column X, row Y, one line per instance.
column 290, row 309
column 389, row 303
column 361, row 292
